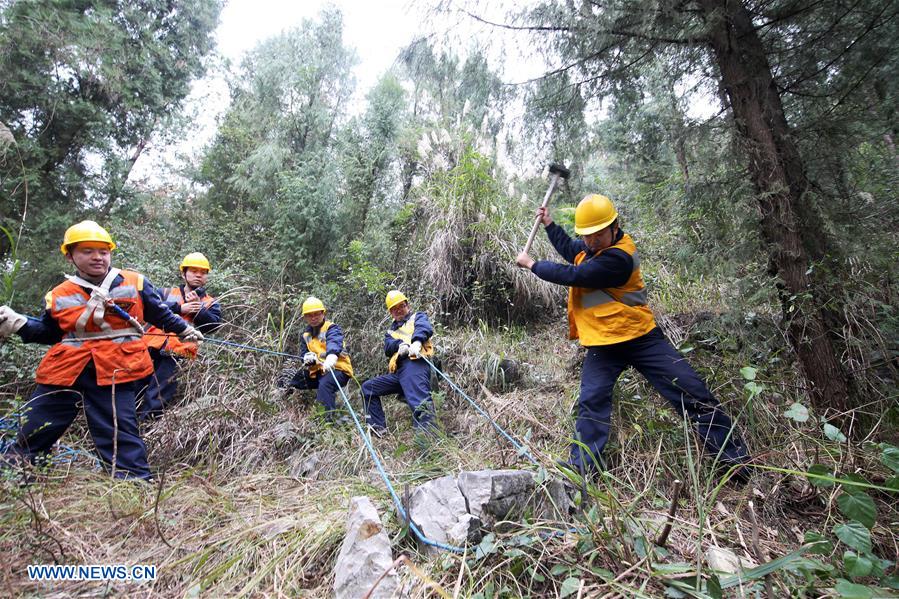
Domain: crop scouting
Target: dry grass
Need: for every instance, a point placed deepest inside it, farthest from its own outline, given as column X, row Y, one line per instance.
column 227, row 517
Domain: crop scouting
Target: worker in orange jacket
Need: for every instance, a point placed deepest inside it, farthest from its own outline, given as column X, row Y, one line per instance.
column 192, row 303
column 98, row 353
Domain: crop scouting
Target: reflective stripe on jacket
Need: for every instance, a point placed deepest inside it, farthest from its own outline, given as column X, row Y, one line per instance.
column 404, row 334
column 318, row 344
column 92, row 332
column 158, row 339
column 614, row 314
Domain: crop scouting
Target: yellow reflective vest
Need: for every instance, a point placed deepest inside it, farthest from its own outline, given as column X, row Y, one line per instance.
column 614, row 314
column 404, row 334
column 318, row 345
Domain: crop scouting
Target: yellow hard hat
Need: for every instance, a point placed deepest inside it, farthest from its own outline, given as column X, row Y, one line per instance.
column 86, row 230
column 394, row 297
column 194, row 260
column 312, row 304
column 594, row 213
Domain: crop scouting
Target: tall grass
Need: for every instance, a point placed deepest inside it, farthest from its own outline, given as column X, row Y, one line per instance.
column 228, row 517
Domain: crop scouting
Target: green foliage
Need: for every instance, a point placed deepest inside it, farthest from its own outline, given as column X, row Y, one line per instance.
column 470, row 244
column 368, row 148
column 85, row 85
column 272, row 164
column 858, row 559
column 10, row 269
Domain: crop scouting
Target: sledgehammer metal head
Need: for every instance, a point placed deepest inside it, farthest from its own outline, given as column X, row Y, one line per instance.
column 560, row 170
column 556, row 172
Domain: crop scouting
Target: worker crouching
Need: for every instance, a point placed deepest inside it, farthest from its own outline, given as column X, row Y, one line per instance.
column 405, row 342
column 98, row 354
column 326, row 365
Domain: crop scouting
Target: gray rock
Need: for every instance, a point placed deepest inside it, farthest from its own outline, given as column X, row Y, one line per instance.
column 303, row 465
column 364, row 555
column 439, row 511
column 644, row 525
column 724, row 560
column 495, row 495
column 555, row 501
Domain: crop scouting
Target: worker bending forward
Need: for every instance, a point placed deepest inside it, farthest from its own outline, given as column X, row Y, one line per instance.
column 405, row 342
column 608, row 313
column 97, row 356
column 191, row 302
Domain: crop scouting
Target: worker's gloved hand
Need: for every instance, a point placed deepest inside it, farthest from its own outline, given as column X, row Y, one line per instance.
column 10, row 321
column 309, row 358
column 415, row 349
column 403, row 350
column 330, row 361
column 190, row 335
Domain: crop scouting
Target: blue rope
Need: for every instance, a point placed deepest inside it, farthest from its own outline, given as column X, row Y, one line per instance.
column 250, row 347
column 521, row 449
column 386, row 479
column 66, row 454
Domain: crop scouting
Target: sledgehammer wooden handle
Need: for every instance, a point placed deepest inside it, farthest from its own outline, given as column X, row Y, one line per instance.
column 558, row 172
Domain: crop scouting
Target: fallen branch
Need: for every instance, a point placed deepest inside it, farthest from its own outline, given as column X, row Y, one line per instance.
column 672, row 511
column 769, row 590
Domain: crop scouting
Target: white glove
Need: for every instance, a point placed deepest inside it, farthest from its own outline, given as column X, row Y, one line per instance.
column 309, row 358
column 415, row 349
column 10, row 321
column 191, row 334
column 403, row 350
column 330, row 361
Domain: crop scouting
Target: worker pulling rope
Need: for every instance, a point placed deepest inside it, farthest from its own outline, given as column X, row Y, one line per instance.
column 522, row 450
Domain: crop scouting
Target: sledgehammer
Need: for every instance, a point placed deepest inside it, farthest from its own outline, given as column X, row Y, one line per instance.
column 556, row 171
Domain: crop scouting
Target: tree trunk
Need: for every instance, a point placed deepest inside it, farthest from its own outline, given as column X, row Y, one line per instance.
column 792, row 230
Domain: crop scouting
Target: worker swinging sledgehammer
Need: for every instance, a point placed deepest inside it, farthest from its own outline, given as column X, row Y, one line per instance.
column 321, row 346
column 192, row 303
column 405, row 341
column 608, row 313
column 97, row 354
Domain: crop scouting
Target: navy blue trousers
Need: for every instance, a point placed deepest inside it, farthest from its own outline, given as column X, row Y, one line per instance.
column 666, row 370
column 324, row 386
column 53, row 408
column 412, row 379
column 157, row 391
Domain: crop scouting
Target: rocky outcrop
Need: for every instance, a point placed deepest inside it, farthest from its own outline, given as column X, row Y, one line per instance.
column 439, row 511
column 459, row 510
column 555, row 501
column 725, row 560
column 495, row 495
column 312, row 465
column 364, row 555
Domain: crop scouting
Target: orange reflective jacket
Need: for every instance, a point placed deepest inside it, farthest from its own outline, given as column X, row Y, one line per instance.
column 92, row 332
column 159, row 339
column 612, row 315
